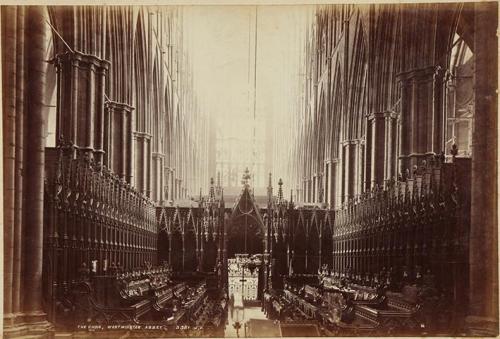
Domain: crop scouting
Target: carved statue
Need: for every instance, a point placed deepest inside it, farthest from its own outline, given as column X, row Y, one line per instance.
column 418, row 276
column 84, row 272
column 112, row 269
column 405, row 277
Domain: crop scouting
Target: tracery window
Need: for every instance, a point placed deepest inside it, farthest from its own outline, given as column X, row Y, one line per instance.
column 459, row 107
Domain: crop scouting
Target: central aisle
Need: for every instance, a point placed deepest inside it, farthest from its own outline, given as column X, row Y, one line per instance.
column 249, row 312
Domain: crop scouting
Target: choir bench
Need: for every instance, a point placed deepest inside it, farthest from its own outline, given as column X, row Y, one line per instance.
column 135, row 297
column 397, row 312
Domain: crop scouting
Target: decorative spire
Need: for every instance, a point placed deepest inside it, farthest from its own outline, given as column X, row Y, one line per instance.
column 218, row 187
column 280, row 191
column 212, row 192
column 221, row 201
column 246, row 177
column 270, row 189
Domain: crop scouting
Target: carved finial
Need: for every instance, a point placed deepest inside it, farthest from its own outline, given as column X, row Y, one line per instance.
column 269, row 189
column 415, row 170
column 246, row 177
column 432, row 161
column 441, row 157
column 61, row 140
column 423, row 167
column 454, row 150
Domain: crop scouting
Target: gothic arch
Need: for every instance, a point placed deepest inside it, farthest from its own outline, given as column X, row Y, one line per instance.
column 299, row 245
column 246, row 230
column 190, row 260
column 326, row 238
column 313, row 244
column 163, row 245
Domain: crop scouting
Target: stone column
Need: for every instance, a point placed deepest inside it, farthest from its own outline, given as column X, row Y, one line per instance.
column 314, row 188
column 377, row 126
column 139, row 163
column 304, row 190
column 9, row 110
column 359, row 158
column 483, row 243
column 147, row 161
column 391, row 142
column 326, row 182
column 126, row 133
column 80, row 107
column 421, row 115
column 176, row 189
column 332, row 183
column 166, row 182
column 143, row 163
column 157, row 174
column 172, row 184
column 129, row 140
column 320, row 193
column 309, row 190
column 381, row 146
column 108, row 139
column 20, row 165
column 118, row 136
column 368, row 156
column 37, row 41
column 349, row 168
column 339, row 197
column 161, row 178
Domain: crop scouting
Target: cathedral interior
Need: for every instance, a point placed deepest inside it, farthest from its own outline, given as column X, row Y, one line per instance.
column 328, row 170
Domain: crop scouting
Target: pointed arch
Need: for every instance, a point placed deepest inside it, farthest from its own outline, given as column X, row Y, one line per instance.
column 313, row 244
column 327, row 241
column 299, row 247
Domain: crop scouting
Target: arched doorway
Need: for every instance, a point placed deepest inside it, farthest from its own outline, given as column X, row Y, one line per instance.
column 245, row 235
column 245, row 245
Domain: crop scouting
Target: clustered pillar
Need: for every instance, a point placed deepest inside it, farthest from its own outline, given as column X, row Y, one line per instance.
column 381, row 148
column 421, row 116
column 332, row 186
column 24, row 81
column 483, row 245
column 352, row 167
column 143, row 162
column 80, row 106
column 118, row 139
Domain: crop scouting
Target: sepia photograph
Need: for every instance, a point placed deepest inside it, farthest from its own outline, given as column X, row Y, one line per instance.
column 250, row 170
